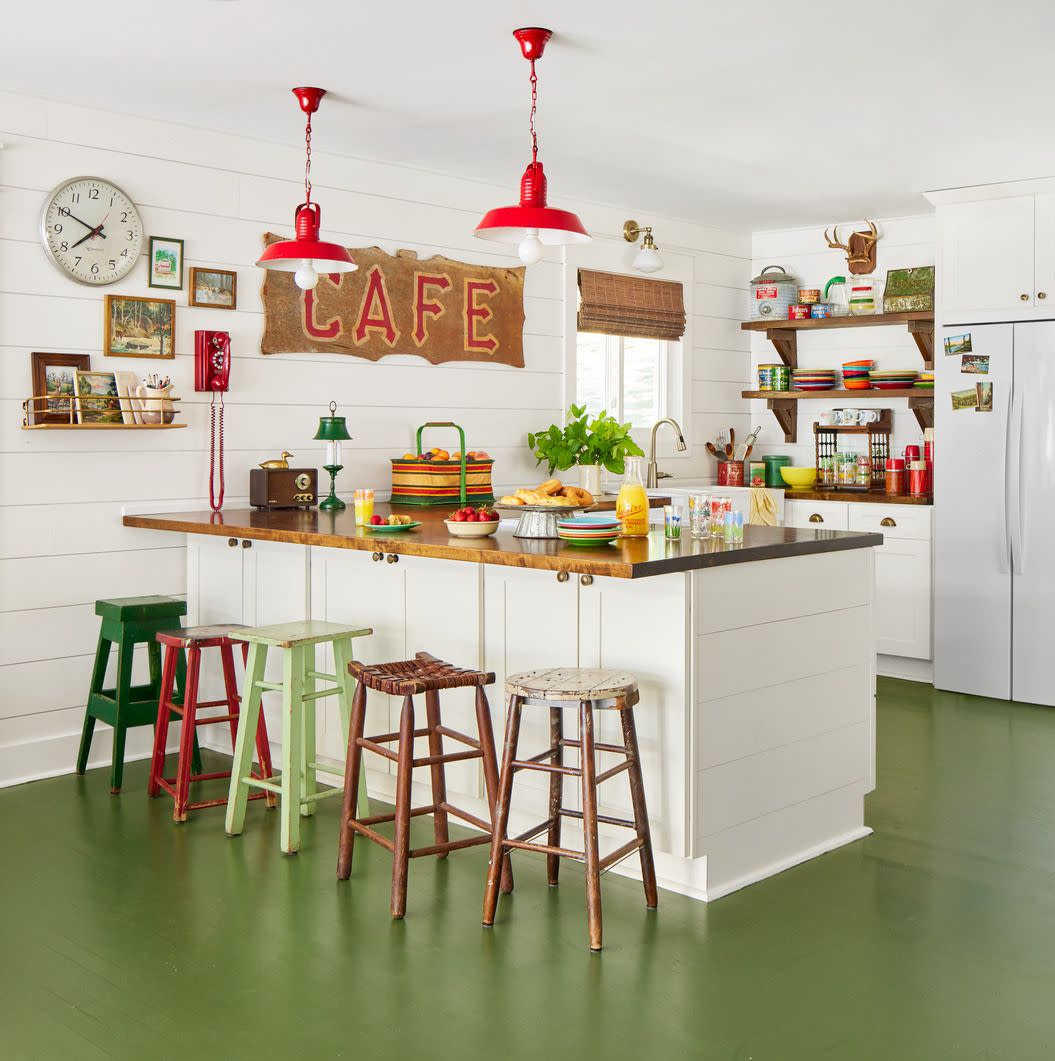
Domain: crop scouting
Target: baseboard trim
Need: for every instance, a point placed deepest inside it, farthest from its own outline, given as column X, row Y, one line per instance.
column 910, row 670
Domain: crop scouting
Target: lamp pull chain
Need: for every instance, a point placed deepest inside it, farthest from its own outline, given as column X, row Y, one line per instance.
column 307, row 161
column 531, row 120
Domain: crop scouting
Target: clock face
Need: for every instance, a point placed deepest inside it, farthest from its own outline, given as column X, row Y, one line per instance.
column 91, row 230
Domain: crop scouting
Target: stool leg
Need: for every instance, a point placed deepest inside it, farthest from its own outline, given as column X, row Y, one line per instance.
column 121, row 695
column 161, row 727
column 486, row 733
column 342, row 656
column 556, row 793
column 230, row 688
column 102, row 656
column 292, row 746
column 187, row 733
column 589, row 824
column 181, row 687
column 404, row 770
column 439, row 780
column 263, row 748
column 248, row 719
column 352, row 768
column 637, row 796
column 501, row 821
column 307, row 731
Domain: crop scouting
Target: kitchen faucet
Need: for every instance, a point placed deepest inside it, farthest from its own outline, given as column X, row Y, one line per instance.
column 654, row 474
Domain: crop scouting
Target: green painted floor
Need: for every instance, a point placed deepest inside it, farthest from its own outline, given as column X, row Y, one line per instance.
column 125, row 937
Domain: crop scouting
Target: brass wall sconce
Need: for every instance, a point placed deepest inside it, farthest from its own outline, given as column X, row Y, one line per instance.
column 647, row 259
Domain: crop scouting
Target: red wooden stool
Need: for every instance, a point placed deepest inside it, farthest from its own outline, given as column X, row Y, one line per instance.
column 193, row 640
column 428, row 675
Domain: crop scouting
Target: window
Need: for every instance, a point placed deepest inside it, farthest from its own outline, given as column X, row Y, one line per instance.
column 629, row 376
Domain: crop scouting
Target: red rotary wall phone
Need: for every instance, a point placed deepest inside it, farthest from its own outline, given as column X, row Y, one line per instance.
column 212, row 372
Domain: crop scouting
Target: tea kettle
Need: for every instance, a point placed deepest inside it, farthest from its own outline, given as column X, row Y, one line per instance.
column 837, row 295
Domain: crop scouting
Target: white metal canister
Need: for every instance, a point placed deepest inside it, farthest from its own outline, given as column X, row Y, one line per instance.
column 772, row 291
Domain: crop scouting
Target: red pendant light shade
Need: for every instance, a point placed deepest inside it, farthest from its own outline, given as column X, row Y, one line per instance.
column 532, row 224
column 306, row 255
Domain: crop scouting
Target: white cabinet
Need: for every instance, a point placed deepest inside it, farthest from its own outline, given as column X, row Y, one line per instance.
column 817, row 515
column 997, row 259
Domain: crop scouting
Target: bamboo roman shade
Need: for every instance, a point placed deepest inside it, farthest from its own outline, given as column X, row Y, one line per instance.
column 630, row 305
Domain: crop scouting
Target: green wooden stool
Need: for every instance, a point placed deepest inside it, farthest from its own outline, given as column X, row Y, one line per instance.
column 297, row 782
column 127, row 622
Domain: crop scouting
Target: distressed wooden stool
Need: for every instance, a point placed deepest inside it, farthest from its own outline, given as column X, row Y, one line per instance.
column 428, row 675
column 193, row 641
column 297, row 783
column 127, row 622
column 589, row 690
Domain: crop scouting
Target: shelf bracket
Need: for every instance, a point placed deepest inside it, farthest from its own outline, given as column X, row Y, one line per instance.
column 924, row 410
column 786, row 411
column 785, row 340
column 923, row 333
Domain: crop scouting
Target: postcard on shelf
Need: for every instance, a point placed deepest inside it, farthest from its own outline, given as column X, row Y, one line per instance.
column 958, row 344
column 126, row 391
column 97, row 399
column 976, row 363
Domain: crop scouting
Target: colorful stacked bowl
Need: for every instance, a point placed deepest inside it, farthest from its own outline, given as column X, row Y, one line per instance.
column 925, row 382
column 588, row 530
column 813, row 379
column 892, row 379
column 855, row 375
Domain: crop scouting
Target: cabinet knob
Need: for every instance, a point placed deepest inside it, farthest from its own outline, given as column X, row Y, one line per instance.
column 392, row 558
column 886, row 521
column 247, row 544
column 816, row 518
column 586, row 580
column 1042, row 294
column 562, row 576
column 232, row 542
column 378, row 556
column 1024, row 297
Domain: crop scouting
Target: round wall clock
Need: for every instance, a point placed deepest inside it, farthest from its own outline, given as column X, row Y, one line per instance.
column 91, row 230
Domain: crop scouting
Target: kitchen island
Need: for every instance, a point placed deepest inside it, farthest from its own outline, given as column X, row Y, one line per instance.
column 756, row 662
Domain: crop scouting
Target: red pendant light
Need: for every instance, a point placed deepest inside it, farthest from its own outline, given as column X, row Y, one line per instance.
column 532, row 225
column 306, row 256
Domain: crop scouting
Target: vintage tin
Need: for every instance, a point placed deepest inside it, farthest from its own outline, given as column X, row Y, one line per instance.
column 757, row 473
column 781, row 377
column 820, row 310
column 765, row 377
column 772, row 291
column 809, row 295
column 798, row 312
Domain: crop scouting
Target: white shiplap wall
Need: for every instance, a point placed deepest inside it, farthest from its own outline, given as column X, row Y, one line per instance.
column 61, row 541
column 904, row 242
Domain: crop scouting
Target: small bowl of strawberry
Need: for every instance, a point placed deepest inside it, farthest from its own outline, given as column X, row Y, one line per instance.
column 471, row 522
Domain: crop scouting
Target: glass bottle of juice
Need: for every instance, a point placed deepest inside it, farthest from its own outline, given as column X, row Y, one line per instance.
column 631, row 506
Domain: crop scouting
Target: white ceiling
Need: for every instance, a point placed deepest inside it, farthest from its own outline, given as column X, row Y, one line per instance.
column 765, row 115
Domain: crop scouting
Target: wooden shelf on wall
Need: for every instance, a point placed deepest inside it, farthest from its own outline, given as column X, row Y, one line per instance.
column 784, row 405
column 100, row 427
column 783, row 334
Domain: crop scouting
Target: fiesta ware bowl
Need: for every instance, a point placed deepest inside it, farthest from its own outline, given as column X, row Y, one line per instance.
column 471, row 530
column 799, row 478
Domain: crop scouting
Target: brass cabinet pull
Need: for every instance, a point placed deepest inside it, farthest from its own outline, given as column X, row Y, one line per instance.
column 247, row 544
column 378, row 556
column 586, row 580
column 1042, row 294
column 1024, row 297
column 562, row 576
column 232, row 542
column 816, row 518
column 392, row 558
column 886, row 521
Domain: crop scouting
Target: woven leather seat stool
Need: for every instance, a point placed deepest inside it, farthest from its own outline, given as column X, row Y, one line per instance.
column 588, row 690
column 193, row 641
column 408, row 678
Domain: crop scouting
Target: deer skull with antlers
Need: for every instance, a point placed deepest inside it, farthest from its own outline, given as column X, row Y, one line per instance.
column 860, row 248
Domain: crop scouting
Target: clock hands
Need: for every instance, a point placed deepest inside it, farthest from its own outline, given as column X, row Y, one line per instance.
column 97, row 231
column 78, row 220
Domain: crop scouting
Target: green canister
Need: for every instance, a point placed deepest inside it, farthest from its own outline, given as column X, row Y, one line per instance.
column 774, row 462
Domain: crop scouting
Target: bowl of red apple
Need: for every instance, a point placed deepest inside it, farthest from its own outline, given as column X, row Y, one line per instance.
column 472, row 522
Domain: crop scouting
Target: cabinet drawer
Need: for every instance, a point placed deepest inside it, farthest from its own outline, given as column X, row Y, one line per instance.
column 892, row 521
column 833, row 515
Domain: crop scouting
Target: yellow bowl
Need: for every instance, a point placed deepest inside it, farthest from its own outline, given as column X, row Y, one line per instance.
column 799, row 478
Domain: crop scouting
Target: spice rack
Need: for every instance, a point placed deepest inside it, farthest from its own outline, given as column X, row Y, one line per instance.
column 877, row 449
column 36, row 407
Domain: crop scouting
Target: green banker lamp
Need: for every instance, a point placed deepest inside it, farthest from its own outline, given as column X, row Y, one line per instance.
column 333, row 431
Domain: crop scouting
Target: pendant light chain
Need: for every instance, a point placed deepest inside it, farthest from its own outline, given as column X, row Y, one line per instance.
column 307, row 161
column 531, row 120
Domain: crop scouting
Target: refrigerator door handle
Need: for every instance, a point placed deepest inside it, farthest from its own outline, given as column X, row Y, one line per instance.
column 1013, row 487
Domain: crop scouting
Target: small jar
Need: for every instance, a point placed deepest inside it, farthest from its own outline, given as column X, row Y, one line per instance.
column 895, row 476
column 845, row 469
column 826, row 471
column 864, row 471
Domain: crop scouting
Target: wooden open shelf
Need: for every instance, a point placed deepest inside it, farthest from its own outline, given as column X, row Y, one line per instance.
column 783, row 334
column 100, row 427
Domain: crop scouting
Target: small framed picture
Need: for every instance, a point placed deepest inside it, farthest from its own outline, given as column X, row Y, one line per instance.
column 215, row 288
column 139, row 327
column 165, row 263
column 54, row 386
column 97, row 398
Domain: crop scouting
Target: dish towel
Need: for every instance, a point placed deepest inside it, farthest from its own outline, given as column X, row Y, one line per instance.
column 763, row 508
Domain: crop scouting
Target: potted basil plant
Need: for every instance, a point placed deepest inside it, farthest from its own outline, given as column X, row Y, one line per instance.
column 589, row 443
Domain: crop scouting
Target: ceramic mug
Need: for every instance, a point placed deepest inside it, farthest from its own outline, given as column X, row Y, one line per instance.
column 868, row 416
column 827, row 418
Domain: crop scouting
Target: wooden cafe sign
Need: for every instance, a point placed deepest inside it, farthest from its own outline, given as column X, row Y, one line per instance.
column 438, row 308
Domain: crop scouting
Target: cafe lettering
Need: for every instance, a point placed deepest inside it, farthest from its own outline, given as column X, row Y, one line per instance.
column 437, row 308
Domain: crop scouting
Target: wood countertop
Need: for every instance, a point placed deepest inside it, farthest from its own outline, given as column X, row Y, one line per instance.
column 626, row 558
column 857, row 497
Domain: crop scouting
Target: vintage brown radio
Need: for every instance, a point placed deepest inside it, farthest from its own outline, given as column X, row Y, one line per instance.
column 283, row 487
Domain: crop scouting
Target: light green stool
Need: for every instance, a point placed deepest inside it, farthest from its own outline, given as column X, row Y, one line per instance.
column 296, row 784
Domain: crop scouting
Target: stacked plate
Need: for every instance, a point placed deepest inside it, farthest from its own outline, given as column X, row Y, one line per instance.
column 813, row 379
column 925, row 382
column 892, row 379
column 855, row 375
column 588, row 530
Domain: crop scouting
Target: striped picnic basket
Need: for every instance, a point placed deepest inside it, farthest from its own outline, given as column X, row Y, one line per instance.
column 460, row 482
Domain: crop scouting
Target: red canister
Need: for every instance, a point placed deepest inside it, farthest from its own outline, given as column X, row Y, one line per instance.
column 895, row 475
column 730, row 473
column 797, row 312
column 917, row 478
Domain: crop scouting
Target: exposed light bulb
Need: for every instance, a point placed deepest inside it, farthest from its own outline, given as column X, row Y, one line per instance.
column 530, row 248
column 647, row 260
column 305, row 277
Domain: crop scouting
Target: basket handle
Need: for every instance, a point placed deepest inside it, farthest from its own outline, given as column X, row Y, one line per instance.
column 461, row 436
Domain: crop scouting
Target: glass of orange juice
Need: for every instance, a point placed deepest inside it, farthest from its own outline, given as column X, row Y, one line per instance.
column 364, row 506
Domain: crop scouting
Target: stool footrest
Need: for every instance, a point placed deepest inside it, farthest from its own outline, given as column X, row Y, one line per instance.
column 369, row 745
column 533, row 832
column 271, row 785
column 387, row 738
column 528, row 764
column 320, row 694
column 450, row 845
column 213, row 719
column 275, row 687
column 545, row 849
column 463, row 738
column 322, row 677
column 613, row 771
column 622, row 822
column 618, row 749
column 619, row 854
column 380, row 819
column 447, row 757
column 467, row 817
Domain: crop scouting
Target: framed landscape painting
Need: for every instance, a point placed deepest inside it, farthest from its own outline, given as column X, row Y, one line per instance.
column 139, row 327
column 97, row 398
column 165, row 263
column 215, row 288
column 54, row 386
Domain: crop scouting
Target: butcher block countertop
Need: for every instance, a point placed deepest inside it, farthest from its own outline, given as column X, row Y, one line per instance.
column 626, row 558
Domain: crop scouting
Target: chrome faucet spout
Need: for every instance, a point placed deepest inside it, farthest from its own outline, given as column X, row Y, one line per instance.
column 654, row 474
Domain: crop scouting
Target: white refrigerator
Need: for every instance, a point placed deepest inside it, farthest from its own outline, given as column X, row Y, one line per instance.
column 994, row 512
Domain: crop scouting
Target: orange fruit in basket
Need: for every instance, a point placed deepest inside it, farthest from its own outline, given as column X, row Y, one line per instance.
column 440, row 455
column 410, row 456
